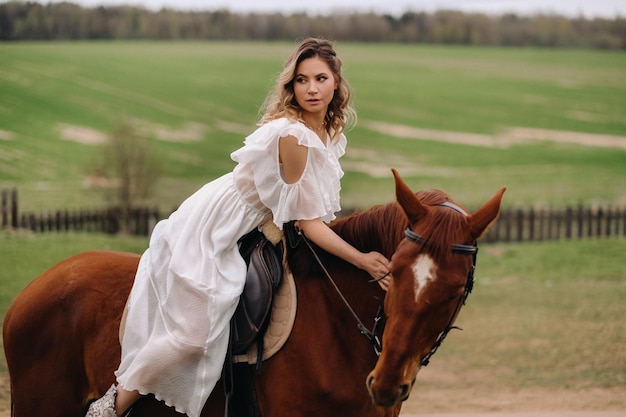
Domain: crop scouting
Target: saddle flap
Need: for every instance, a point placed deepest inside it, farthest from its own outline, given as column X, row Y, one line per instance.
column 264, row 275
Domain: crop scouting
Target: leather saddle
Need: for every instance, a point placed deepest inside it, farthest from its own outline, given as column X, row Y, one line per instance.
column 264, row 261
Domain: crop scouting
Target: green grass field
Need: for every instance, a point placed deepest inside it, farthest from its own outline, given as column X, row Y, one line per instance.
column 220, row 86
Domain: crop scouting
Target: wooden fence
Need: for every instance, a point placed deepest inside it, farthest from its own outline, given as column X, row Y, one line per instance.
column 139, row 221
column 519, row 225
column 513, row 225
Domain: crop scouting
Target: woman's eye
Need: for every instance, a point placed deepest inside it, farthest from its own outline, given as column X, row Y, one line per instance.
column 322, row 78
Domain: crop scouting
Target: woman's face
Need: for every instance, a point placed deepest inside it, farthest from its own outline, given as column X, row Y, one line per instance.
column 314, row 86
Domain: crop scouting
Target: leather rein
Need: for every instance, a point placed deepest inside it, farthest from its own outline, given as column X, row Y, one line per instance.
column 375, row 335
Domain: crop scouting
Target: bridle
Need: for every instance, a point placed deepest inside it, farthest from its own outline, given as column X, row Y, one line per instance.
column 469, row 282
column 375, row 335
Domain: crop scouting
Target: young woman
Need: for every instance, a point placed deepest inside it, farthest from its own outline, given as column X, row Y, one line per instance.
column 190, row 278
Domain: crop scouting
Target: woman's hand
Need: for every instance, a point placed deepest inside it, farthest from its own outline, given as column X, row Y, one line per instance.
column 373, row 263
column 378, row 267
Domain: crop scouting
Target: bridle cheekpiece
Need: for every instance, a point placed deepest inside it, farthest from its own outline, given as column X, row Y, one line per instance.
column 469, row 283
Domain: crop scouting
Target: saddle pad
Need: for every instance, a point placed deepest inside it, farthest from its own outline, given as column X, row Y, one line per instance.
column 282, row 317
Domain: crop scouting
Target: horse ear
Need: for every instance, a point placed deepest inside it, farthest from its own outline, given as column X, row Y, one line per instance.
column 485, row 215
column 408, row 200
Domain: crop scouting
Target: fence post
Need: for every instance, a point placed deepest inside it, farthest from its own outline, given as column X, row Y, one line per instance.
column 531, row 224
column 589, row 218
column 579, row 218
column 519, row 220
column 600, row 219
column 5, row 209
column 541, row 226
column 32, row 222
column 8, row 209
column 509, row 225
column 14, row 220
column 549, row 221
column 569, row 217
column 49, row 222
column 66, row 220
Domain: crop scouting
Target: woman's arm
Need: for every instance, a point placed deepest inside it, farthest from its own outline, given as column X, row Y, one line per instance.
column 294, row 157
column 373, row 263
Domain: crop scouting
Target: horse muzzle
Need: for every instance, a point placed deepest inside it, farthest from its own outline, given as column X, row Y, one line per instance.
column 385, row 394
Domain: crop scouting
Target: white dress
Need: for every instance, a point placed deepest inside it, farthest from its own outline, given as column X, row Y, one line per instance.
column 189, row 279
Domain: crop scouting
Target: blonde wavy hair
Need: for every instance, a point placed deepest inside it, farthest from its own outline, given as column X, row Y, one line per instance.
column 281, row 102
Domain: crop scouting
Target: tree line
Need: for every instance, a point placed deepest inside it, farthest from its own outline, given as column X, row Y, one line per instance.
column 68, row 21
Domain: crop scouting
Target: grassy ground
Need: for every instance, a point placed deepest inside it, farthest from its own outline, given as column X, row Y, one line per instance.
column 25, row 255
column 219, row 86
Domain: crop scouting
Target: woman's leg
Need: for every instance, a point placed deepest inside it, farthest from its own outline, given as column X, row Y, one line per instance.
column 115, row 402
column 125, row 399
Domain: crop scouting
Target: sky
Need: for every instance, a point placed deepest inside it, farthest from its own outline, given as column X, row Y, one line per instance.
column 570, row 8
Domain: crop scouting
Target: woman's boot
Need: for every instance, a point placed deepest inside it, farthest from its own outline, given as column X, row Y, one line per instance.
column 105, row 406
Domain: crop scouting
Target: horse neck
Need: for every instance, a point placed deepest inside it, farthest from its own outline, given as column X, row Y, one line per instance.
column 378, row 229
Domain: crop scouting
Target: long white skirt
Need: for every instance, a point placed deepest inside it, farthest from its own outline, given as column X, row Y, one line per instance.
column 186, row 290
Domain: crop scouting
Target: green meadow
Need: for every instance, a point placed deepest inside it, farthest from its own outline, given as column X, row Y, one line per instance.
column 544, row 316
column 200, row 99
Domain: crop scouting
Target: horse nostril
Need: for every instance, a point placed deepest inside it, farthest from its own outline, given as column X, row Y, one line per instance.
column 404, row 391
column 370, row 381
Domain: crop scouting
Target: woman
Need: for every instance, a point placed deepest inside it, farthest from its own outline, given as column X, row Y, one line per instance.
column 189, row 280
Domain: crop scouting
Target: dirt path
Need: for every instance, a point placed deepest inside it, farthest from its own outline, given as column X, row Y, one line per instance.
column 467, row 402
column 533, row 414
column 507, row 137
column 548, row 414
column 430, row 400
column 596, row 402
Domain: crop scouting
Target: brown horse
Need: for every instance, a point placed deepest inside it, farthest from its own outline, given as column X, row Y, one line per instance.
column 61, row 332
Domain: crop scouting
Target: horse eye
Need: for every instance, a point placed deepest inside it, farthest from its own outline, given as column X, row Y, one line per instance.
column 454, row 295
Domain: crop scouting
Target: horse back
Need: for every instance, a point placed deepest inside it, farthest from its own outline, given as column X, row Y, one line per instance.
column 59, row 326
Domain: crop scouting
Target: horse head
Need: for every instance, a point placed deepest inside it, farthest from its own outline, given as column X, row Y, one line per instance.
column 432, row 273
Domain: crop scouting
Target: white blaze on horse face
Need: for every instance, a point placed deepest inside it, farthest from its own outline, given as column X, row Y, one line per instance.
column 423, row 272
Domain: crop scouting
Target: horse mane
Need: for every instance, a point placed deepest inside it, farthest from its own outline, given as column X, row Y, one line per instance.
column 381, row 228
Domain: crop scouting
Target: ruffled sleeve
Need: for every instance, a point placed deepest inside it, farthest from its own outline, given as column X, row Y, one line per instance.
column 259, row 180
